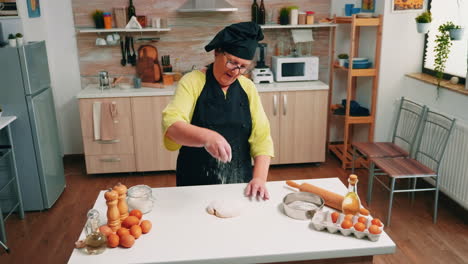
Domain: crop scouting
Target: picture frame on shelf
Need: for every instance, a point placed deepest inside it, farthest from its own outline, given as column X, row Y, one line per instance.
column 34, row 8
column 401, row 6
column 368, row 6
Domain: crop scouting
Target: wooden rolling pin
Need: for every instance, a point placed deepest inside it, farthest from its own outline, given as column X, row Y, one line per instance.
column 331, row 199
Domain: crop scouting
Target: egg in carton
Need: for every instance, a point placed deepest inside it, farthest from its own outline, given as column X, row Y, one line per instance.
column 323, row 220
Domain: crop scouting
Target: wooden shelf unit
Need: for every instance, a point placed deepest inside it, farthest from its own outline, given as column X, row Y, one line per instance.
column 343, row 151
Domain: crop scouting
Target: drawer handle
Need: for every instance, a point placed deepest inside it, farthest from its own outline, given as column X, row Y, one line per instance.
column 275, row 104
column 285, row 104
column 110, row 159
column 112, row 141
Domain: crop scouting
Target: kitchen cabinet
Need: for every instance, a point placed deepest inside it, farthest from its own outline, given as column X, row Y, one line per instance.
column 298, row 121
column 106, row 156
column 150, row 153
column 296, row 110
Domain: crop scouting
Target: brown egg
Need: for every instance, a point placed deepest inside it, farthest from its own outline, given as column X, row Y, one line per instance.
column 376, row 222
column 346, row 224
column 123, row 231
column 359, row 226
column 105, row 230
column 373, row 229
column 137, row 213
column 127, row 241
column 130, row 221
column 334, row 216
column 362, row 219
column 349, row 217
column 113, row 240
column 145, row 226
column 135, row 231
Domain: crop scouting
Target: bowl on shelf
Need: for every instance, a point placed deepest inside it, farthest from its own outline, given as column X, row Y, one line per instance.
column 359, row 63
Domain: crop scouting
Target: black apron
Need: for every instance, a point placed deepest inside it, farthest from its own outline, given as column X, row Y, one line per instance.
column 229, row 116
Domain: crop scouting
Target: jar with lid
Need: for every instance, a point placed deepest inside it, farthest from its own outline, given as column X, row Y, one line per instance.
column 310, row 17
column 140, row 197
column 107, row 20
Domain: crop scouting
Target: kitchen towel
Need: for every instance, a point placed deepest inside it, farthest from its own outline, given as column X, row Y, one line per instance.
column 302, row 35
column 97, row 120
column 108, row 113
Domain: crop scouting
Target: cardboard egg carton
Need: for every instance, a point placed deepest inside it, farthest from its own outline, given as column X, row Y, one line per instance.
column 322, row 221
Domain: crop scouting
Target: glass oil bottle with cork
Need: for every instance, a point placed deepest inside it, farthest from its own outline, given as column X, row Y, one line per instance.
column 95, row 242
column 351, row 203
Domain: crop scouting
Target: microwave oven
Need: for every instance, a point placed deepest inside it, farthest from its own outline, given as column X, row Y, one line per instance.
column 290, row 69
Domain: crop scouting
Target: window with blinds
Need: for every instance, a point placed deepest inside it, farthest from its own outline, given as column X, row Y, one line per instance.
column 443, row 11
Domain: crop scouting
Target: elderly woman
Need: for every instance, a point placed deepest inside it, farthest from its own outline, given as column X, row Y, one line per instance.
column 217, row 120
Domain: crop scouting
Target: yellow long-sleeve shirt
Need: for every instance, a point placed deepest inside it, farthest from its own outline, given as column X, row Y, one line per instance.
column 183, row 103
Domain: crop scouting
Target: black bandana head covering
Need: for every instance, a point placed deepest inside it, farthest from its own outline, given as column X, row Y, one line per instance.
column 239, row 39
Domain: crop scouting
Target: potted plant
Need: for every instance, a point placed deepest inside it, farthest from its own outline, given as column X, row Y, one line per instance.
column 423, row 22
column 342, row 59
column 19, row 39
column 98, row 17
column 455, row 31
column 12, row 40
column 442, row 50
column 284, row 16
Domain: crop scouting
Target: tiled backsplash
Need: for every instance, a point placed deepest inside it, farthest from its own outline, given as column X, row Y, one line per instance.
column 190, row 33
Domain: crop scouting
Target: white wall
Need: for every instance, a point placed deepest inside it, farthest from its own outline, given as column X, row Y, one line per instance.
column 402, row 52
column 56, row 27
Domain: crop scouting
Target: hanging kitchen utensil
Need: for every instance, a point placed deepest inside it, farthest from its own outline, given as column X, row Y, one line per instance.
column 134, row 57
column 123, row 61
column 127, row 49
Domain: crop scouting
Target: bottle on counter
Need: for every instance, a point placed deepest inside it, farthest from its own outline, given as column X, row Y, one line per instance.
column 131, row 10
column 310, row 17
column 261, row 14
column 255, row 11
column 107, row 20
column 95, row 242
column 351, row 203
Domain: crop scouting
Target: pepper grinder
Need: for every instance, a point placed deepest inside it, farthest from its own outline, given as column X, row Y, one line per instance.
column 113, row 214
column 121, row 189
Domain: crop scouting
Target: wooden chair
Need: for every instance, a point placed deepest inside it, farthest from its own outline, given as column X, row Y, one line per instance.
column 405, row 132
column 430, row 148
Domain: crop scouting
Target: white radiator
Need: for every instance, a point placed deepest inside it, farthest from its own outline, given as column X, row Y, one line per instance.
column 454, row 167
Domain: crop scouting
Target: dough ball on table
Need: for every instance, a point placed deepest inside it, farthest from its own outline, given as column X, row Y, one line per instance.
column 224, row 209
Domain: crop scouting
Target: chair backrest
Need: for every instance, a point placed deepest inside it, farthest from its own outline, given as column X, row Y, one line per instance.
column 408, row 123
column 435, row 133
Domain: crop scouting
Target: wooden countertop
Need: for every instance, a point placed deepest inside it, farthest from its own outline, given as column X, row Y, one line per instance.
column 183, row 232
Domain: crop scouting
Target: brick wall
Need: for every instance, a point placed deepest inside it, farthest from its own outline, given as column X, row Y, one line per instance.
column 190, row 33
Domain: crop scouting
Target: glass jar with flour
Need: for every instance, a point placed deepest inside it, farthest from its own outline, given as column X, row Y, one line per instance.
column 140, row 197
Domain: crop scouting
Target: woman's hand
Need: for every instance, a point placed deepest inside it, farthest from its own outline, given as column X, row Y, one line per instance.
column 218, row 147
column 257, row 188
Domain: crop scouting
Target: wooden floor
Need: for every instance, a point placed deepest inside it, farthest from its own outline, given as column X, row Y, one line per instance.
column 49, row 236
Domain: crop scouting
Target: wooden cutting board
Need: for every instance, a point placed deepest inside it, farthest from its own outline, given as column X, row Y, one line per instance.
column 148, row 68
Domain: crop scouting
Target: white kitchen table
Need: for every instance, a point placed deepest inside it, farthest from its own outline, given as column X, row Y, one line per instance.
column 183, row 232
